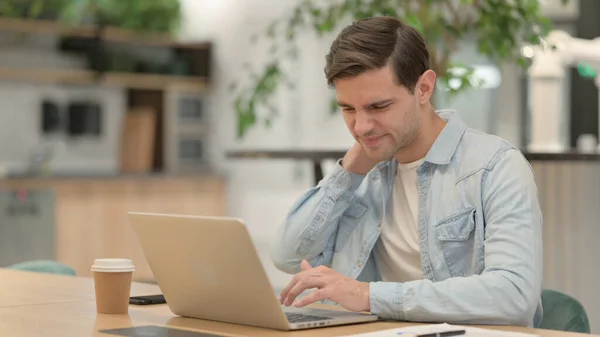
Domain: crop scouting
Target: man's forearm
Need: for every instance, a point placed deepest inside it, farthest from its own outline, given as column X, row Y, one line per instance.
column 308, row 232
column 496, row 298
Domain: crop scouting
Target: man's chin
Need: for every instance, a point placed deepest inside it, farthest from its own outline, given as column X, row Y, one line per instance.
column 377, row 155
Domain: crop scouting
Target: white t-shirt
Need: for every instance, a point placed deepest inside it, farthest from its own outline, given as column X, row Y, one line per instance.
column 397, row 251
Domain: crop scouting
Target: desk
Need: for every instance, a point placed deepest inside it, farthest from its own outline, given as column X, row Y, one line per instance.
column 22, row 288
column 63, row 306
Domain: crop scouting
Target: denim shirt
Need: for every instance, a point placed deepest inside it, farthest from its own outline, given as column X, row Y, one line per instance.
column 479, row 230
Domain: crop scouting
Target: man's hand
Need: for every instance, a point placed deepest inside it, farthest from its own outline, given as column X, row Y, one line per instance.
column 331, row 285
column 357, row 161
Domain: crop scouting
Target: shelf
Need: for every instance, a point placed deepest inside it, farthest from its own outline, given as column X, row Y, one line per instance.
column 86, row 77
column 113, row 34
column 110, row 34
column 43, row 27
column 152, row 81
column 40, row 75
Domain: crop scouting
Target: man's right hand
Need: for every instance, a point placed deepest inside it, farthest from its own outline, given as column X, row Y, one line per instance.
column 357, row 161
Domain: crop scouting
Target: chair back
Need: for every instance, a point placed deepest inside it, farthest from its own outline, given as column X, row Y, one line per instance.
column 563, row 312
column 44, row 266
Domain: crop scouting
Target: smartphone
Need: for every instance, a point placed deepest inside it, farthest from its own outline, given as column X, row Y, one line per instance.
column 147, row 299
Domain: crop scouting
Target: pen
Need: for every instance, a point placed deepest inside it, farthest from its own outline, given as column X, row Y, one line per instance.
column 439, row 334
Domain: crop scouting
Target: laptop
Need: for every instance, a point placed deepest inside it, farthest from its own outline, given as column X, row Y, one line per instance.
column 208, row 268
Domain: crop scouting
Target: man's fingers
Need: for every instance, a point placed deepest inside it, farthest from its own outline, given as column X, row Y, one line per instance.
column 307, row 269
column 288, row 287
column 308, row 272
column 315, row 296
column 307, row 282
column 296, row 290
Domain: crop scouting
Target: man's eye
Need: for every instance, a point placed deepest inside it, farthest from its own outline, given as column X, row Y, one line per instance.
column 380, row 107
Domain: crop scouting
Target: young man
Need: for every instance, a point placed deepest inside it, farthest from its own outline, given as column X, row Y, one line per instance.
column 424, row 219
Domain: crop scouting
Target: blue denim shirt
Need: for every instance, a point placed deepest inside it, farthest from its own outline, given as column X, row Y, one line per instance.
column 480, row 232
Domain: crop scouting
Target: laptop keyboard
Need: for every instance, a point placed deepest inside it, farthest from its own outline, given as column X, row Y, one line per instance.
column 294, row 317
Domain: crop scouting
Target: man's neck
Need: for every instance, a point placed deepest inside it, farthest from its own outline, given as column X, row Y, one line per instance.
column 431, row 126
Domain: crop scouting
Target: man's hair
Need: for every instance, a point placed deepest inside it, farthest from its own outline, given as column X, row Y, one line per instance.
column 373, row 43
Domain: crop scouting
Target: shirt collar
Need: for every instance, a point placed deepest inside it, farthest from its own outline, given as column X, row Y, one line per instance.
column 446, row 143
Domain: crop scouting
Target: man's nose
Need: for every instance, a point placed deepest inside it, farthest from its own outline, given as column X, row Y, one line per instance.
column 363, row 124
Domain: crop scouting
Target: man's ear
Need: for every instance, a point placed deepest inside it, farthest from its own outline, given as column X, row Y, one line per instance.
column 425, row 86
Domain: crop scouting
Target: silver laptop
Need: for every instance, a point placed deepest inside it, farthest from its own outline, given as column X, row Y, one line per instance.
column 208, row 268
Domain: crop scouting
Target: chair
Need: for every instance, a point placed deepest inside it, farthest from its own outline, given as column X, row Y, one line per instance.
column 44, row 266
column 563, row 312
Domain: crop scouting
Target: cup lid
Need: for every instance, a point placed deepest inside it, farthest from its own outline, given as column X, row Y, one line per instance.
column 113, row 265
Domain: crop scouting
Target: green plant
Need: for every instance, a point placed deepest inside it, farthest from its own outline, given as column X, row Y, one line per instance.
column 499, row 27
column 144, row 16
column 152, row 16
column 34, row 9
column 161, row 16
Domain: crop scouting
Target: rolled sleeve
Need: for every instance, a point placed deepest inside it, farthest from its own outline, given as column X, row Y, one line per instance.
column 340, row 180
column 386, row 300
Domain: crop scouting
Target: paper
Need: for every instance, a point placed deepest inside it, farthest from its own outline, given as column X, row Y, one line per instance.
column 423, row 329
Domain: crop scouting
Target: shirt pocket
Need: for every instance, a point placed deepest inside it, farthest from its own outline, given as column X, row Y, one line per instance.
column 455, row 236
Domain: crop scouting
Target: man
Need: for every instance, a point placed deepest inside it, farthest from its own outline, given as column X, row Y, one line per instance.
column 423, row 219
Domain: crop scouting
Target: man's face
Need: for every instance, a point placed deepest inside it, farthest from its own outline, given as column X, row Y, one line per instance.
column 383, row 117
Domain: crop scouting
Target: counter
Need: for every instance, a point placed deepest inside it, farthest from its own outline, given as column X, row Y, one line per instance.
column 89, row 212
column 317, row 157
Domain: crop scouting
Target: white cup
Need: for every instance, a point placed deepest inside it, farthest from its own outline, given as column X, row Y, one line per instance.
column 113, row 265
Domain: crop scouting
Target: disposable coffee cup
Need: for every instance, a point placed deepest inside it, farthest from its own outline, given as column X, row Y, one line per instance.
column 112, row 283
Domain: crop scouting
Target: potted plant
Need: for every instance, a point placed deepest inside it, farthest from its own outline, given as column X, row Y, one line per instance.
column 499, row 27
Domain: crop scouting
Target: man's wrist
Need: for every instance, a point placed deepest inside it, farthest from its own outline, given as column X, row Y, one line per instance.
column 366, row 296
column 361, row 294
column 348, row 167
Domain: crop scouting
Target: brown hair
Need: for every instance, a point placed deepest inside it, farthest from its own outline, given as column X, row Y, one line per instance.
column 374, row 43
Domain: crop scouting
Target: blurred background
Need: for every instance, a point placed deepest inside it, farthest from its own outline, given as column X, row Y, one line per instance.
column 220, row 107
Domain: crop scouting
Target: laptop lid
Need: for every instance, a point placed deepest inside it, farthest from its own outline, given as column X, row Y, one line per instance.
column 208, row 268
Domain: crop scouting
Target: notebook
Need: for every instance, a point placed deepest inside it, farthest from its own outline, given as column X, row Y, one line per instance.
column 439, row 328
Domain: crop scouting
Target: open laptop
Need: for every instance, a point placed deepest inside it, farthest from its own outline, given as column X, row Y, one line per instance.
column 208, row 268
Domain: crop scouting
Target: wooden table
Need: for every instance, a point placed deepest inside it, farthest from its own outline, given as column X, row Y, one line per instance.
column 47, row 305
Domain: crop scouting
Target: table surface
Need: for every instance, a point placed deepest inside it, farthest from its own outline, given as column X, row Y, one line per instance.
column 35, row 305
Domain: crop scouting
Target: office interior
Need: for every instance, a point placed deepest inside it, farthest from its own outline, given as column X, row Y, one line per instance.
column 99, row 120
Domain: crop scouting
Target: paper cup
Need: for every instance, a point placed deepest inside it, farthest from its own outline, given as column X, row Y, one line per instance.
column 112, row 283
